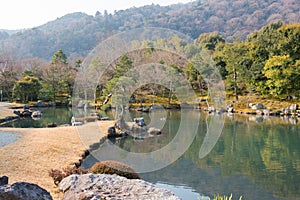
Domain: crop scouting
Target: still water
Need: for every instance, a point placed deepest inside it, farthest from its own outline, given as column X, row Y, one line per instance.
column 59, row 115
column 254, row 157
column 7, row 138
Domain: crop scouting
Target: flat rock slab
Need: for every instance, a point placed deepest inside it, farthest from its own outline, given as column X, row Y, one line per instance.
column 109, row 187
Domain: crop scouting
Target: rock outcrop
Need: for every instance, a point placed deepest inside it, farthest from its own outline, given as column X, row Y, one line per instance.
column 3, row 180
column 258, row 106
column 97, row 186
column 291, row 109
column 23, row 191
column 154, row 131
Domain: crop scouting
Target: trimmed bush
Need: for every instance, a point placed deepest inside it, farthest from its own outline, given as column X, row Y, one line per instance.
column 114, row 167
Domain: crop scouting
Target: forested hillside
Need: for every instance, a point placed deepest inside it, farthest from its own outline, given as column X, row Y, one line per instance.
column 266, row 63
column 3, row 35
column 78, row 33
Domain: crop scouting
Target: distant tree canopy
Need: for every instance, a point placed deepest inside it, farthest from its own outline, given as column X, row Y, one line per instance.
column 122, row 66
column 3, row 35
column 209, row 40
column 59, row 58
column 44, row 82
column 28, row 87
column 266, row 63
column 58, row 77
column 268, row 60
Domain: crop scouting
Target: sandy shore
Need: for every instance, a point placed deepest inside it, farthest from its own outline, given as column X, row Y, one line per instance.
column 5, row 109
column 40, row 149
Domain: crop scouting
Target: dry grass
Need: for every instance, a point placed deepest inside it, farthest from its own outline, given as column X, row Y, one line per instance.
column 6, row 111
column 40, row 149
column 272, row 104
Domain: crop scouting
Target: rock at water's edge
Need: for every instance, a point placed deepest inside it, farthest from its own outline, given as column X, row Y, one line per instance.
column 97, row 186
column 154, row 131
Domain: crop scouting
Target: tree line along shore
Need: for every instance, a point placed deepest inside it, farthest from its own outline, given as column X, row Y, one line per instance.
column 266, row 64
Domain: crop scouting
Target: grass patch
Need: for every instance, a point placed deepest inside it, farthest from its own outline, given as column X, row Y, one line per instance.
column 273, row 104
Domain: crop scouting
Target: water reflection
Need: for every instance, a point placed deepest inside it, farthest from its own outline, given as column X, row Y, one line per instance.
column 60, row 116
column 182, row 191
column 255, row 158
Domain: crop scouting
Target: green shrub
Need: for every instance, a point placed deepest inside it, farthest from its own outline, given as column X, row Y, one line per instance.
column 114, row 167
column 106, row 107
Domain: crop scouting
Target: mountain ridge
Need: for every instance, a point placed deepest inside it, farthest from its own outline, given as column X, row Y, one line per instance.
column 78, row 33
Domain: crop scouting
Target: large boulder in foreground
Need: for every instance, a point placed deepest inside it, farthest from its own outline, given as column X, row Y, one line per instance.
column 23, row 191
column 106, row 186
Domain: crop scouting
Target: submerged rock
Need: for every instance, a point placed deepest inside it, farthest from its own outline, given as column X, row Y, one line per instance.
column 105, row 186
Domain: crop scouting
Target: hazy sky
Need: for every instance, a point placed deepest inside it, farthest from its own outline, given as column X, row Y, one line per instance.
column 18, row 14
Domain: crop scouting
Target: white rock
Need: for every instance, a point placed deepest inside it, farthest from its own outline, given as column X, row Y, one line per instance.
column 95, row 186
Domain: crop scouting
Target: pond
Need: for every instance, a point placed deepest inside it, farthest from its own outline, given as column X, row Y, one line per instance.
column 59, row 115
column 254, row 157
column 7, row 138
